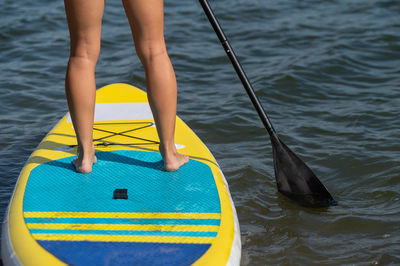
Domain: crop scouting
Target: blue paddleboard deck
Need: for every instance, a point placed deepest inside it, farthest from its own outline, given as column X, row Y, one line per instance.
column 88, row 225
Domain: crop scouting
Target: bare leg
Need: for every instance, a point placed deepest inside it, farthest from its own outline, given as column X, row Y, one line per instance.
column 84, row 22
column 146, row 18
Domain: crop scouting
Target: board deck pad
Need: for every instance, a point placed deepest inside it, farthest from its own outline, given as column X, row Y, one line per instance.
column 128, row 210
column 152, row 213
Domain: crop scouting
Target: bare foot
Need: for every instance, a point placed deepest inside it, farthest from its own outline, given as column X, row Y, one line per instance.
column 83, row 164
column 173, row 160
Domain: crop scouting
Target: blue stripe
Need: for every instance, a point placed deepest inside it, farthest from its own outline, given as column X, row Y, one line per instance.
column 124, row 232
column 83, row 253
column 143, row 221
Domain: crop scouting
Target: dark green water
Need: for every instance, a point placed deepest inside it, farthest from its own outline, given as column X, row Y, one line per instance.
column 327, row 73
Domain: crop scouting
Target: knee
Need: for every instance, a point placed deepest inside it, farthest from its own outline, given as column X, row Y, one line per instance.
column 148, row 52
column 85, row 52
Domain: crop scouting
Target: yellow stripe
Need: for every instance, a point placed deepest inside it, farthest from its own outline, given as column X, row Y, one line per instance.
column 135, row 227
column 129, row 215
column 123, row 238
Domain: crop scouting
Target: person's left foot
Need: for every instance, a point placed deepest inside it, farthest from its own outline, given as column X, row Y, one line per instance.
column 84, row 162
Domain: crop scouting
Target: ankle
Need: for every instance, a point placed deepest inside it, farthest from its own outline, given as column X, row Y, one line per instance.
column 167, row 150
column 86, row 151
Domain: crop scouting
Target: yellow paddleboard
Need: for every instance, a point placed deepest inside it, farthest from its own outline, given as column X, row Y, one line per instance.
column 128, row 211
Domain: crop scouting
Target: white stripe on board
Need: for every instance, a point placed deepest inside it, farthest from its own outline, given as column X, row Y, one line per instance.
column 121, row 111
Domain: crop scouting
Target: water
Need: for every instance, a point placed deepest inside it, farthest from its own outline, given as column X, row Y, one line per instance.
column 327, row 73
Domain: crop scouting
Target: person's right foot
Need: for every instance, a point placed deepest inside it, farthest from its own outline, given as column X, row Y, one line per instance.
column 173, row 160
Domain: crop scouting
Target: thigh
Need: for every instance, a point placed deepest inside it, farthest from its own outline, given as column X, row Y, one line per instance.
column 146, row 18
column 84, row 23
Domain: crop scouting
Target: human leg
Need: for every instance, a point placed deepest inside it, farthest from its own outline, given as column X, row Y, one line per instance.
column 84, row 23
column 146, row 19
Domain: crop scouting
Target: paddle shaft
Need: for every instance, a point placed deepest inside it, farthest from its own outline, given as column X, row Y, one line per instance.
column 237, row 66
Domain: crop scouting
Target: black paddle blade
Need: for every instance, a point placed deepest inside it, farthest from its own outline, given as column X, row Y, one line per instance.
column 296, row 180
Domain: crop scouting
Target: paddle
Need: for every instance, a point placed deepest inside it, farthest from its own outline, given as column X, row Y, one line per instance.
column 293, row 177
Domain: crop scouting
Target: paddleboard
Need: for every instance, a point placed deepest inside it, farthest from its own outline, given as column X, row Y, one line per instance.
column 127, row 211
